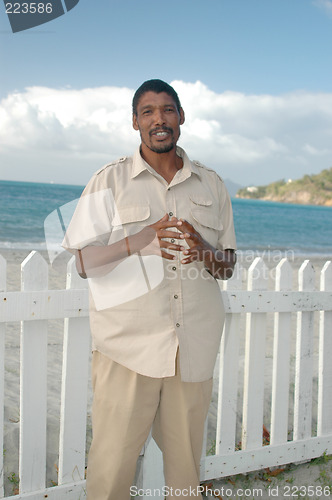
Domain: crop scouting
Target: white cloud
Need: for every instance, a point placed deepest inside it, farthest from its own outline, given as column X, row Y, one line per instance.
column 325, row 5
column 66, row 134
column 314, row 151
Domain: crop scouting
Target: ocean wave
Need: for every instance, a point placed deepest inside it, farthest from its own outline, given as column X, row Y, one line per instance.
column 26, row 245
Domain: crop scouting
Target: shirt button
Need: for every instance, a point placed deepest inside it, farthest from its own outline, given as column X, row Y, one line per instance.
column 172, row 240
column 173, row 268
column 176, row 296
column 178, row 324
column 170, row 214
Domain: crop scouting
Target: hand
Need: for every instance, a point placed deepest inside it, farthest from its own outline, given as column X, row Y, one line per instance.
column 151, row 240
column 219, row 263
column 199, row 249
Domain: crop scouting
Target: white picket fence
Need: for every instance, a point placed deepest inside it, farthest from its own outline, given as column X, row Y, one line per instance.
column 254, row 306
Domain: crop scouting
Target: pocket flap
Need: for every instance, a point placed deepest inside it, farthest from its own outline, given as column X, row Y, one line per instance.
column 199, row 200
column 206, row 218
column 130, row 214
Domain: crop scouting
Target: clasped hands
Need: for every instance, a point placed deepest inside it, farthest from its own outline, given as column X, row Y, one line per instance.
column 166, row 238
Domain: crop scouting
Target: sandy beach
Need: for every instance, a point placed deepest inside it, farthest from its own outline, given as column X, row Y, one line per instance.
column 301, row 475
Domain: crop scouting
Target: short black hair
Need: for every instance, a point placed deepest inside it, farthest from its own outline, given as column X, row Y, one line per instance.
column 156, row 86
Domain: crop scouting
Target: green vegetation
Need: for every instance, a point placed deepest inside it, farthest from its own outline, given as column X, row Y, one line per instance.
column 310, row 190
column 14, row 480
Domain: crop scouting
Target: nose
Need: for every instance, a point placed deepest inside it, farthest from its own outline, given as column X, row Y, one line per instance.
column 159, row 117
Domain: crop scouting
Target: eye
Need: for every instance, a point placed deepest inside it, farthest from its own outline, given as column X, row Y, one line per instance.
column 169, row 110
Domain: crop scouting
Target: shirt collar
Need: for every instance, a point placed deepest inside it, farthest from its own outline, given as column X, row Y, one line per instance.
column 139, row 165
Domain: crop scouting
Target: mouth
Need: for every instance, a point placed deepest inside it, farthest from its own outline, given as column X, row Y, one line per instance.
column 161, row 134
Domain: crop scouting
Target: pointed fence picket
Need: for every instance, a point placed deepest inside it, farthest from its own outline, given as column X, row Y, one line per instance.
column 228, row 376
column 281, row 360
column 254, row 303
column 33, row 383
column 304, row 360
column 253, row 398
column 74, row 391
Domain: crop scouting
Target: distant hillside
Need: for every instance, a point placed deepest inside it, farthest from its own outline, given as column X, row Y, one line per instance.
column 310, row 190
column 232, row 188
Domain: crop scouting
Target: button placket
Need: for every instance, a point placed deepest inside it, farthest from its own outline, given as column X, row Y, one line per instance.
column 170, row 202
column 171, row 210
column 175, row 296
column 175, row 281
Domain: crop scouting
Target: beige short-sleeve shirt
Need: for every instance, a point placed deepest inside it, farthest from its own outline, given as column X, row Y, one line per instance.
column 147, row 307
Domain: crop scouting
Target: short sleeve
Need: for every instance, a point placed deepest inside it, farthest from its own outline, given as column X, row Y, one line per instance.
column 91, row 223
column 227, row 239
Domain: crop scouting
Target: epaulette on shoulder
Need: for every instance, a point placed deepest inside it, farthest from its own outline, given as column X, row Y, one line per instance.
column 199, row 164
column 112, row 164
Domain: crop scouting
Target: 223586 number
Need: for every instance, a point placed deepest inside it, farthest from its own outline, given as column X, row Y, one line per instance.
column 29, row 8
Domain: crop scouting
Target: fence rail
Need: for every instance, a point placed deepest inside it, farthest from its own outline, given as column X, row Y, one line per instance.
column 251, row 309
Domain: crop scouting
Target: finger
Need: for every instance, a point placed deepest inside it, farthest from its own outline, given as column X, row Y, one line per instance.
column 186, row 261
column 189, row 259
column 188, row 236
column 185, row 226
column 191, row 255
column 187, row 233
column 164, row 218
column 169, row 223
column 165, row 233
column 171, row 246
column 159, row 247
column 167, row 256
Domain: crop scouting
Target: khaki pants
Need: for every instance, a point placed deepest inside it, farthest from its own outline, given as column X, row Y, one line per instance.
column 126, row 405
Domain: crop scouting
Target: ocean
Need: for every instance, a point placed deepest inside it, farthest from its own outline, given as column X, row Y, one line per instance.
column 261, row 226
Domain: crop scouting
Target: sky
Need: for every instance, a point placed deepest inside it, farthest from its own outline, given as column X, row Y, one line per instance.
column 254, row 78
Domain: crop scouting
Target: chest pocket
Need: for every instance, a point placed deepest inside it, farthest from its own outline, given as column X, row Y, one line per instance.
column 131, row 218
column 206, row 218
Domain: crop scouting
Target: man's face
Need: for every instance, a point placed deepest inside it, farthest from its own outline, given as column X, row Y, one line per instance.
column 158, row 121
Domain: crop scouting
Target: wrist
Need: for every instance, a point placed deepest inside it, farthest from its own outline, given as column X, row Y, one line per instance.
column 209, row 254
column 135, row 243
column 127, row 246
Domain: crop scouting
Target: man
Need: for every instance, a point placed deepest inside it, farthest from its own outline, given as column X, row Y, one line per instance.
column 152, row 233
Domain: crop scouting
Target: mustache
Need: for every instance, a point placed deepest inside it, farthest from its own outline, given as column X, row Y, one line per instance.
column 161, row 129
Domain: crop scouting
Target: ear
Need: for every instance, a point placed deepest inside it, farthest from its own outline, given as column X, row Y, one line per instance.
column 135, row 122
column 182, row 117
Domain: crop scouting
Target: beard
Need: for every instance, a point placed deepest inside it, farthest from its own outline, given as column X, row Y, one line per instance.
column 161, row 148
